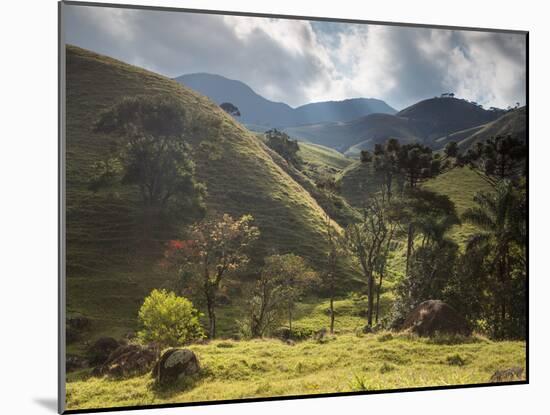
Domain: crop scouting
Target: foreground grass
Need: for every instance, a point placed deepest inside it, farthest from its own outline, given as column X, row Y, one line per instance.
column 259, row 368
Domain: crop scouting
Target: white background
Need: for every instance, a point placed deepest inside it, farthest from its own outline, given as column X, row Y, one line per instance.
column 28, row 204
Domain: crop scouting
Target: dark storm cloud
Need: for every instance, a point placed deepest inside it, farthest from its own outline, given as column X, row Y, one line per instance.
column 298, row 61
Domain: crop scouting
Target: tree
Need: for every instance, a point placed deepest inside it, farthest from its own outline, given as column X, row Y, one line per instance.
column 381, row 263
column 169, row 320
column 286, row 147
column 501, row 218
column 497, row 159
column 386, row 162
column 294, row 276
column 365, row 241
column 432, row 261
column 154, row 155
column 281, row 283
column 217, row 248
column 418, row 163
column 230, row 109
column 332, row 275
column 266, row 299
column 410, row 165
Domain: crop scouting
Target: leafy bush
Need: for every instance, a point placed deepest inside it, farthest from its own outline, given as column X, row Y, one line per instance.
column 298, row 333
column 169, row 320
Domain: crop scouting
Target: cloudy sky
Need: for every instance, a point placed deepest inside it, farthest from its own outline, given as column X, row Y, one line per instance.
column 298, row 62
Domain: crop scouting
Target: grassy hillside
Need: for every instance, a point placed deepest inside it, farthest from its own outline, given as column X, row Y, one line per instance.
column 460, row 185
column 320, row 157
column 364, row 131
column 512, row 123
column 357, row 180
column 107, row 279
column 258, row 368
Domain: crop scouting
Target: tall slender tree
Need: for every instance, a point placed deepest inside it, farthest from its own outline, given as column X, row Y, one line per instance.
column 365, row 241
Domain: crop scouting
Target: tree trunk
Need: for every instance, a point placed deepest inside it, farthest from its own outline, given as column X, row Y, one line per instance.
column 378, row 299
column 331, row 315
column 211, row 316
column 410, row 242
column 289, row 321
column 370, row 300
column 501, row 309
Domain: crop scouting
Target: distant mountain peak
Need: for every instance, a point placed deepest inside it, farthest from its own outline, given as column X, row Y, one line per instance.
column 261, row 113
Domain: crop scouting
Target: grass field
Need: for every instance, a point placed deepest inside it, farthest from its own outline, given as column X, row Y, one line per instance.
column 346, row 362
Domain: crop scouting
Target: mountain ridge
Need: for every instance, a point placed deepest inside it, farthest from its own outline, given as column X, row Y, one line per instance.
column 260, row 113
column 431, row 122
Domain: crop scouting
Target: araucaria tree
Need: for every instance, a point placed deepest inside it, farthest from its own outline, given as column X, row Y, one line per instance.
column 417, row 163
column 497, row 159
column 217, row 248
column 153, row 155
column 408, row 166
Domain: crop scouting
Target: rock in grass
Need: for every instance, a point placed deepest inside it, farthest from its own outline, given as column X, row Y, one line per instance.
column 507, row 375
column 79, row 323
column 75, row 325
column 175, row 365
column 73, row 363
column 99, row 352
column 128, row 360
column 320, row 335
column 435, row 316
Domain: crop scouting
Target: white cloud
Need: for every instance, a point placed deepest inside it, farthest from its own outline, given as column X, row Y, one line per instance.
column 299, row 61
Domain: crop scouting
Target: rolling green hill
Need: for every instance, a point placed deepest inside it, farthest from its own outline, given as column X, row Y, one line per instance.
column 320, row 156
column 107, row 279
column 364, row 131
column 512, row 123
column 436, row 117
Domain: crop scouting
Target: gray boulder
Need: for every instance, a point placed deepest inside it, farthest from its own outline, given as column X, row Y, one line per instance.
column 508, row 375
column 175, row 365
column 100, row 350
column 435, row 316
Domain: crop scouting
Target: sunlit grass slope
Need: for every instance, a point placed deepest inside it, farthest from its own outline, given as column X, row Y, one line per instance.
column 322, row 157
